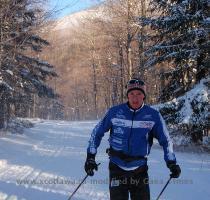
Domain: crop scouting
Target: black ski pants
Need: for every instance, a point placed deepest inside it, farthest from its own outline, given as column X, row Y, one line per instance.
column 124, row 183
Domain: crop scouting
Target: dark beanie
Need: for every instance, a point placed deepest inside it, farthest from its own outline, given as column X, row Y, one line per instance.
column 136, row 84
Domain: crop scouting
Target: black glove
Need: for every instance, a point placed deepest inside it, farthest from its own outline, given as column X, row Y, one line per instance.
column 90, row 164
column 175, row 169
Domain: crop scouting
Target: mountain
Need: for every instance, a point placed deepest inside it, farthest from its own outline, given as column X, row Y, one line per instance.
column 75, row 19
column 69, row 53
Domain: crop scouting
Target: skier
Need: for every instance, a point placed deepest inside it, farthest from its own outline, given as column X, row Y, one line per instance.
column 132, row 126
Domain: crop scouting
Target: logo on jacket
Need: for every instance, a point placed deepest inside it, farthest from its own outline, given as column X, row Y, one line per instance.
column 143, row 124
column 120, row 114
column 147, row 117
column 118, row 131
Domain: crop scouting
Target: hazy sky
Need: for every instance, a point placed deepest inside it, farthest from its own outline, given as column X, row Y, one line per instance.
column 69, row 6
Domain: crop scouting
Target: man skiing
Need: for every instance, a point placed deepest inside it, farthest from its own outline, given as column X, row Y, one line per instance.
column 132, row 126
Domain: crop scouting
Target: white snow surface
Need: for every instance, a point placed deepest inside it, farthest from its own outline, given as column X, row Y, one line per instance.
column 186, row 112
column 46, row 163
column 75, row 19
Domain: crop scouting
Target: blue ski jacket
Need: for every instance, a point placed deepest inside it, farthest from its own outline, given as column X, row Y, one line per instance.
column 132, row 132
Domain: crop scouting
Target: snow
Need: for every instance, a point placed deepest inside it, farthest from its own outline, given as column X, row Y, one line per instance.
column 75, row 19
column 186, row 111
column 46, row 162
column 4, row 84
column 9, row 72
column 199, row 92
column 207, row 20
column 46, row 69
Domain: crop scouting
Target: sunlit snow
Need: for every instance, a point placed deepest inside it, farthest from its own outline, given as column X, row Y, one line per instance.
column 46, row 162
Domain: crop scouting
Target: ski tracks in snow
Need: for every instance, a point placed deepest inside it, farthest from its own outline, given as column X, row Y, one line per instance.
column 34, row 162
column 46, row 163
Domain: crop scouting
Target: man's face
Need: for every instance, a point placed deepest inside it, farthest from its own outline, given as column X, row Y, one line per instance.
column 135, row 98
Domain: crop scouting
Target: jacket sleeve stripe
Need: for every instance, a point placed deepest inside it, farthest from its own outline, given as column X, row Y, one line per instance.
column 169, row 147
column 98, row 132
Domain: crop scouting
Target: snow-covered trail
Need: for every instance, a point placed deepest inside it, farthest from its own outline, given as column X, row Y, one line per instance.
column 46, row 163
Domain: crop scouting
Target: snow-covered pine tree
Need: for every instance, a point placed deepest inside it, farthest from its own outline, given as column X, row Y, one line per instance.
column 181, row 37
column 50, row 109
column 21, row 74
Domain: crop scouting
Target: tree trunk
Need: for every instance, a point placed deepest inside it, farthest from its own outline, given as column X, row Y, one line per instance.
column 2, row 115
column 129, row 39
column 121, row 73
column 95, row 91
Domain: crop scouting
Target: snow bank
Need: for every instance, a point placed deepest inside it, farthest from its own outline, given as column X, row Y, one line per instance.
column 17, row 125
column 188, row 114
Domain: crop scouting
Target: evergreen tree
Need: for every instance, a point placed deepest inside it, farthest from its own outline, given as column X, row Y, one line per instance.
column 21, row 74
column 181, row 37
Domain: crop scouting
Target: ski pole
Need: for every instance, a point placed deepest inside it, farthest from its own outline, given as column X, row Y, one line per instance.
column 164, row 188
column 83, row 180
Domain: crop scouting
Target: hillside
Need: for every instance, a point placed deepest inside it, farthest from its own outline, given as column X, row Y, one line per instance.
column 75, row 19
column 68, row 53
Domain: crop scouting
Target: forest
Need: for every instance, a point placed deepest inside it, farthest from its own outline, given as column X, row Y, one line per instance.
column 76, row 67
